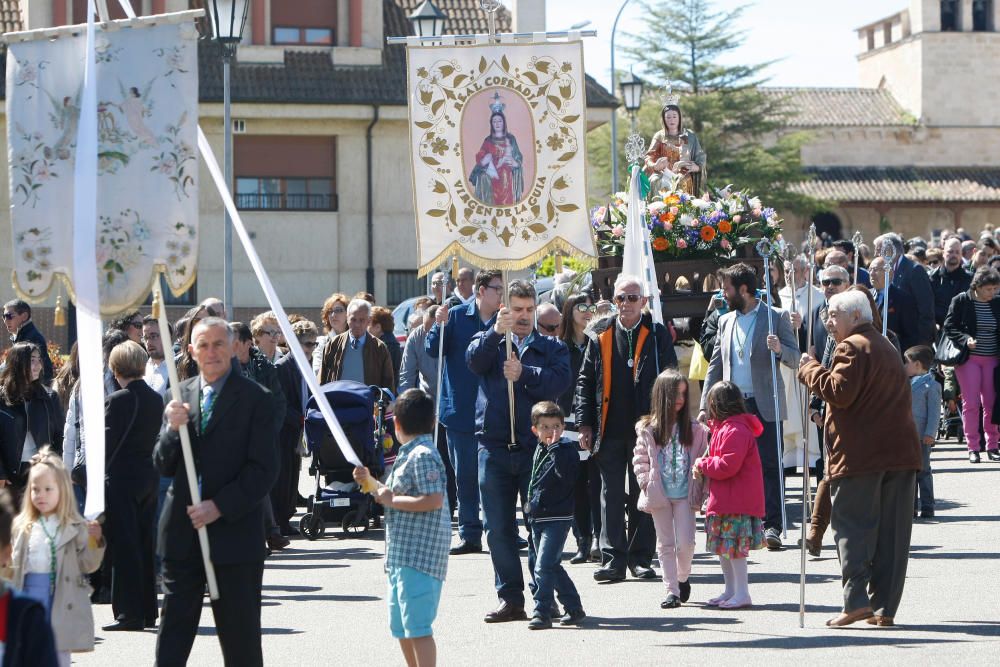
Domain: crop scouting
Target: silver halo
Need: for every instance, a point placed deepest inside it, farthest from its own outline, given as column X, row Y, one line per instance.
column 635, row 148
column 764, row 248
column 490, row 6
column 888, row 252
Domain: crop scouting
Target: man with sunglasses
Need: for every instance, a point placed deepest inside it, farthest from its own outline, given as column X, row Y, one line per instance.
column 17, row 319
column 549, row 320
column 833, row 280
column 625, row 352
column 457, row 409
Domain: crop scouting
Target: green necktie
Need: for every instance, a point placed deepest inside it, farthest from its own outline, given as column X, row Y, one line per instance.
column 207, row 402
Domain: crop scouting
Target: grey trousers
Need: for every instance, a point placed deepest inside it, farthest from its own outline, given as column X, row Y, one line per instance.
column 872, row 520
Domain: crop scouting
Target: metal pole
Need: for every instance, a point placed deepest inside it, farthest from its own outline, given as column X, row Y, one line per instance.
column 440, row 368
column 888, row 252
column 857, row 240
column 227, row 159
column 510, row 348
column 806, row 424
column 614, row 113
column 764, row 250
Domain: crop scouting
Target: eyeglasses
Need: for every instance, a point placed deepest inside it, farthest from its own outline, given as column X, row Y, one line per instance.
column 498, row 288
column 271, row 332
column 584, row 308
column 437, row 283
column 337, row 310
column 631, row 298
column 551, row 328
column 835, row 282
column 9, row 316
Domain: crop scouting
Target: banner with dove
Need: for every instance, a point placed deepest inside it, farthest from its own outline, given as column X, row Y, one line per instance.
column 147, row 217
column 497, row 138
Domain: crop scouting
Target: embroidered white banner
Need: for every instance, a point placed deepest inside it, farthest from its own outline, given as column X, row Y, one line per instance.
column 147, row 187
column 497, row 138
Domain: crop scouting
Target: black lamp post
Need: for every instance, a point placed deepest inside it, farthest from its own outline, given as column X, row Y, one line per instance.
column 428, row 20
column 632, row 92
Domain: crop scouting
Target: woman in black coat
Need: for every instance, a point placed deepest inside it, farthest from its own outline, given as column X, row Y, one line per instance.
column 578, row 310
column 132, row 419
column 30, row 416
column 973, row 325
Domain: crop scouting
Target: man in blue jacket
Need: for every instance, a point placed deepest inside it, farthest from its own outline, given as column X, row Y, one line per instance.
column 538, row 367
column 458, row 398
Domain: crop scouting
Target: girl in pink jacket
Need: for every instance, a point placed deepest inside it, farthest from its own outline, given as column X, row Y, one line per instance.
column 668, row 442
column 733, row 524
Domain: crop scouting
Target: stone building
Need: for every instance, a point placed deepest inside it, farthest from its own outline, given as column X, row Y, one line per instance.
column 915, row 148
column 321, row 142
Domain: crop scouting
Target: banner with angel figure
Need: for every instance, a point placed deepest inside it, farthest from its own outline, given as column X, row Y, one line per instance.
column 147, row 215
column 497, row 143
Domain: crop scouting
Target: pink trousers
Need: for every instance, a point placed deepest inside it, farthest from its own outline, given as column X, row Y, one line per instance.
column 975, row 379
column 675, row 525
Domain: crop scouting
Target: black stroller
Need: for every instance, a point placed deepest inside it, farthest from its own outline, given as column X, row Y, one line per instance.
column 337, row 498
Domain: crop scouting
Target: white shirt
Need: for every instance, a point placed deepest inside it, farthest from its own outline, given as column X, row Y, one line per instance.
column 156, row 376
column 39, row 551
column 801, row 298
column 30, row 446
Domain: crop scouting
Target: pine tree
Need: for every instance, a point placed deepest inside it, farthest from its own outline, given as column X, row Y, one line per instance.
column 738, row 124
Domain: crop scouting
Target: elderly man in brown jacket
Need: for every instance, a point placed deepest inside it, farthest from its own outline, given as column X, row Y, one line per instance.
column 355, row 355
column 873, row 455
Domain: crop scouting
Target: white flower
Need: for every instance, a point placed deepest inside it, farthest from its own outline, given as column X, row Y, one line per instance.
column 701, row 203
column 686, row 219
column 733, row 206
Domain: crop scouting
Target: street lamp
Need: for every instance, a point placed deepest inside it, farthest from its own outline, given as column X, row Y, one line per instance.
column 428, row 20
column 228, row 18
column 632, row 92
column 614, row 114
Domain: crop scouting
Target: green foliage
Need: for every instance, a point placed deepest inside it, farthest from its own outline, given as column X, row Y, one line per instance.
column 548, row 266
column 739, row 126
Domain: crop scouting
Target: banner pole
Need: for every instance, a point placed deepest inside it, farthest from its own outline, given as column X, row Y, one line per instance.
column 159, row 312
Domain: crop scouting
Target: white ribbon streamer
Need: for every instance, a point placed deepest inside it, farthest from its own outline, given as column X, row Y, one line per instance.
column 305, row 366
column 637, row 255
column 88, row 314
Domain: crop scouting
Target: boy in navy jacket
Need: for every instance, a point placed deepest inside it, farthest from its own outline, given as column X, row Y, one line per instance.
column 549, row 515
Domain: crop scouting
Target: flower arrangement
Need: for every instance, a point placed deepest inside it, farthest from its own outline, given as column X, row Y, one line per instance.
column 685, row 227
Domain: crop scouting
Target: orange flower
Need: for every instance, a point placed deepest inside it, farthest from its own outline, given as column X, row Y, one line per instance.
column 671, row 200
column 707, row 233
column 660, row 244
column 725, row 227
column 666, row 216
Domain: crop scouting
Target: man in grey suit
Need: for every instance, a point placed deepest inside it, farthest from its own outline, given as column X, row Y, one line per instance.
column 742, row 355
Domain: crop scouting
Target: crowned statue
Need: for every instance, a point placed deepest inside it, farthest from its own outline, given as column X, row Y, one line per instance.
column 497, row 178
column 675, row 153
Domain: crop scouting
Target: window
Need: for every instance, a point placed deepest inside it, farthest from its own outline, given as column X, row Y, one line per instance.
column 304, row 22
column 982, row 15
column 285, row 194
column 285, row 173
column 950, row 16
column 402, row 285
column 307, row 36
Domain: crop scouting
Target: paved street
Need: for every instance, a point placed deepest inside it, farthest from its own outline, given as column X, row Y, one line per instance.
column 324, row 603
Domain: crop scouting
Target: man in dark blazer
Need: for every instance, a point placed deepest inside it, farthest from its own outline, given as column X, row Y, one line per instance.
column 902, row 316
column 912, row 278
column 231, row 420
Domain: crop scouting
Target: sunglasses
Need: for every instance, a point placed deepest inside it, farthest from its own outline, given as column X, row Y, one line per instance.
column 271, row 332
column 9, row 316
column 551, row 328
column 835, row 282
column 338, row 310
column 584, row 308
column 631, row 298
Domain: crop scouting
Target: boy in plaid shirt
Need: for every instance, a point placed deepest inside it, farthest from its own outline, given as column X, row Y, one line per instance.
column 417, row 528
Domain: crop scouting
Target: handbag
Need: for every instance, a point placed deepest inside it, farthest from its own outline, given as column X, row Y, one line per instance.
column 948, row 354
column 79, row 473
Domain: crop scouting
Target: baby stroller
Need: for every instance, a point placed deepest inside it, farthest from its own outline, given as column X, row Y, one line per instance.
column 337, row 498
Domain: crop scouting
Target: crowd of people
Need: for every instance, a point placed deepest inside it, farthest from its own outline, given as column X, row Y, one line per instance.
column 586, row 414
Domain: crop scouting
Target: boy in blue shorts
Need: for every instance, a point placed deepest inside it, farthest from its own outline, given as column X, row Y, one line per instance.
column 417, row 528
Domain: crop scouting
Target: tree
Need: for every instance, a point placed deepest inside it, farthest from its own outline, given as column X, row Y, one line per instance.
column 738, row 124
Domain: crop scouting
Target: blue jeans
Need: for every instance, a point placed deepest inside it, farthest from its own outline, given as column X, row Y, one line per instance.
column 548, row 577
column 502, row 476
column 462, row 452
column 925, row 482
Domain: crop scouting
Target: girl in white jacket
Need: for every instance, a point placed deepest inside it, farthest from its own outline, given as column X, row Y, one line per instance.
column 668, row 443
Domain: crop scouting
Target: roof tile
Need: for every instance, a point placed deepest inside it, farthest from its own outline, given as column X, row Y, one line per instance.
column 903, row 184
column 843, row 107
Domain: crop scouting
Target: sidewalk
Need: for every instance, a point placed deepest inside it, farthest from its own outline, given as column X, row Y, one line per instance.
column 324, row 601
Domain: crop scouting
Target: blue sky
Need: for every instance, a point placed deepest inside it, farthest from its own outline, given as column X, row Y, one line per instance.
column 814, row 39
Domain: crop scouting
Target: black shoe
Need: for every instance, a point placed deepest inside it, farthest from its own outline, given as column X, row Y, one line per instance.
column 465, row 547
column 672, row 602
column 608, row 574
column 772, row 536
column 288, row 531
column 301, row 502
column 504, row 613
column 522, row 543
column 643, row 572
column 973, row 457
column 595, row 554
column 277, row 542
column 685, row 591
column 582, row 554
column 539, row 623
column 102, row 596
column 574, row 617
column 123, row 626
column 993, row 455
column 926, row 514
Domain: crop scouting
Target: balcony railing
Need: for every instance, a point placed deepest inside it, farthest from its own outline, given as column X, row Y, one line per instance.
column 256, row 201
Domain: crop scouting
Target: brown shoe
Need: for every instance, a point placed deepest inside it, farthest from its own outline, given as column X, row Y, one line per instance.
column 814, row 542
column 881, row 621
column 277, row 542
column 848, row 617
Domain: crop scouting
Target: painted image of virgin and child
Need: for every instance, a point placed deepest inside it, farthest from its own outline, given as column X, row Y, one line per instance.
column 498, row 177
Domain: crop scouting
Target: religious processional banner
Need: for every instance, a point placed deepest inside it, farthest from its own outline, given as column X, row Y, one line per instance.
column 497, row 138
column 147, row 210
